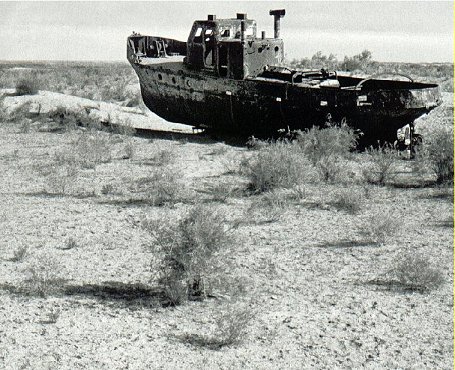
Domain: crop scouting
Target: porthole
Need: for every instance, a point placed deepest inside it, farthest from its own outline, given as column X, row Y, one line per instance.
column 188, row 83
column 160, row 77
column 276, row 49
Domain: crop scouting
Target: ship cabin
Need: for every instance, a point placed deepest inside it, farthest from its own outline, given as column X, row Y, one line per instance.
column 230, row 48
column 227, row 48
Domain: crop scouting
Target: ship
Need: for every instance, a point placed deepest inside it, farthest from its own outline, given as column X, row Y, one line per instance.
column 227, row 79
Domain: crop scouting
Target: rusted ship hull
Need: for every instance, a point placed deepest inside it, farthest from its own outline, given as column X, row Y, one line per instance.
column 262, row 105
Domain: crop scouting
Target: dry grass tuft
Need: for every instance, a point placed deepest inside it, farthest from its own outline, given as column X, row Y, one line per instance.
column 230, row 326
column 44, row 277
column 161, row 187
column 19, row 254
column 379, row 228
column 348, row 200
column 413, row 271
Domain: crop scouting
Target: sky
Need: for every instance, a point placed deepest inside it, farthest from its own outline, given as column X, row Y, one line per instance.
column 399, row 31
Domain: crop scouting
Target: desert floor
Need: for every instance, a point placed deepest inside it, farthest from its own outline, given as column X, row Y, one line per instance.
column 309, row 281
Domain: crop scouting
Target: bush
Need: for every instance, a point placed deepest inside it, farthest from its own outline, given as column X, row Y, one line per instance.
column 278, row 165
column 379, row 228
column 162, row 186
column 381, row 165
column 162, row 157
column 333, row 141
column 230, row 326
column 413, row 271
column 437, row 152
column 328, row 148
column 19, row 254
column 348, row 200
column 268, row 208
column 92, row 148
column 27, row 86
column 189, row 249
column 60, row 175
column 70, row 119
column 43, row 277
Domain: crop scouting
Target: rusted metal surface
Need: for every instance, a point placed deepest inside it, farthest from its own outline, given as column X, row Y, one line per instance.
column 225, row 78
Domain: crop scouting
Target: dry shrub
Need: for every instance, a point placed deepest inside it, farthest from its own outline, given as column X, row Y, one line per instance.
column 27, row 85
column 348, row 200
column 381, row 165
column 437, row 153
column 70, row 119
column 413, row 271
column 60, row 175
column 334, row 141
column 331, row 168
column 92, row 148
column 230, row 326
column 19, row 254
column 44, row 277
column 267, row 208
column 380, row 227
column 221, row 191
column 278, row 165
column 162, row 157
column 161, row 187
column 328, row 149
column 190, row 250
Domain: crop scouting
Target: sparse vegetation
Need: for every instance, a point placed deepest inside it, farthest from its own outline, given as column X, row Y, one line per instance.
column 379, row 228
column 413, row 271
column 92, row 148
column 328, row 149
column 162, row 157
column 269, row 207
column 207, row 252
column 437, row 152
column 380, row 167
column 44, row 277
column 162, row 186
column 70, row 243
column 27, row 86
column 60, row 176
column 278, row 165
column 19, row 254
column 348, row 200
column 190, row 248
column 229, row 328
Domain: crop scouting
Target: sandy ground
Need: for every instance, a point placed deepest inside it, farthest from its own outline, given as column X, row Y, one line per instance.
column 307, row 275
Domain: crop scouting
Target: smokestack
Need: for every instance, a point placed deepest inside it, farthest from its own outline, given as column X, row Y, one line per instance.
column 211, row 17
column 277, row 15
column 241, row 15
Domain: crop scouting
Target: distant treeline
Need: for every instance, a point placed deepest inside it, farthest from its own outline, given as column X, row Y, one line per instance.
column 363, row 62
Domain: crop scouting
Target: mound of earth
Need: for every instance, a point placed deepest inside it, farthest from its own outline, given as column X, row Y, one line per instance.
column 47, row 101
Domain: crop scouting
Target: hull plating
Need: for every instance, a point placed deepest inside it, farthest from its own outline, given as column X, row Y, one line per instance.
column 261, row 106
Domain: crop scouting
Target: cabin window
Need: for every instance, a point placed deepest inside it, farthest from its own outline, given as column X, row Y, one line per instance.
column 225, row 33
column 208, row 35
column 198, row 35
column 209, row 41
